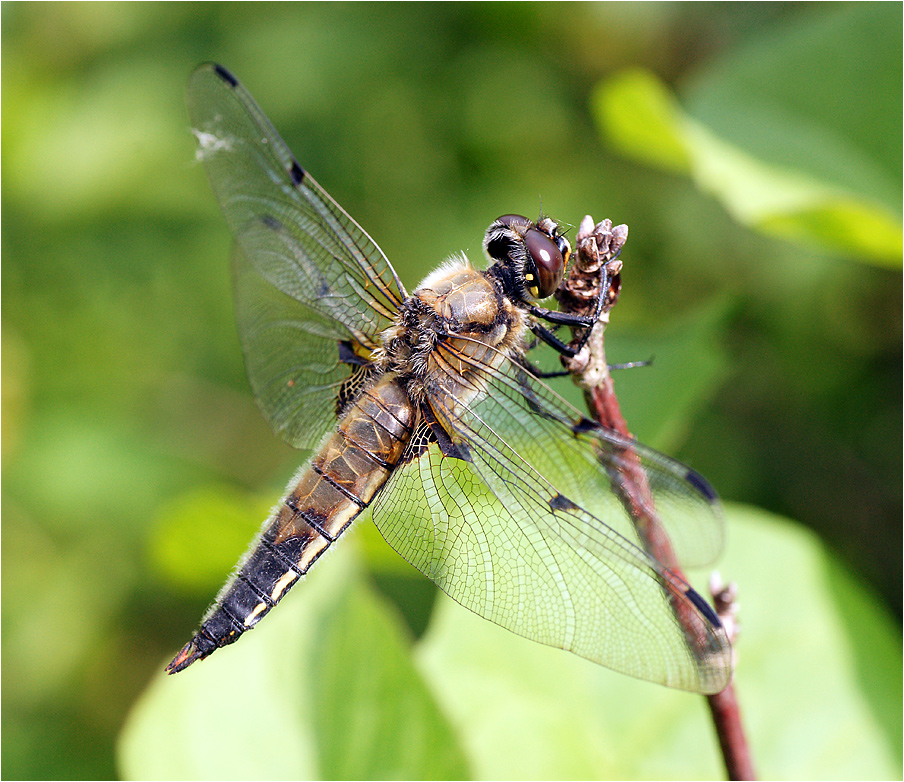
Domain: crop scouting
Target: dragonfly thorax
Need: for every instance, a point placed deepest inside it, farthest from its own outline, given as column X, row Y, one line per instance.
column 459, row 307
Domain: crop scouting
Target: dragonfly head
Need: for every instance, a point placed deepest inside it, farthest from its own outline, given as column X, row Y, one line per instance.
column 534, row 253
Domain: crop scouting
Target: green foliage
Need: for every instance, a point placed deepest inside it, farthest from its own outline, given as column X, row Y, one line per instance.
column 200, row 535
column 688, row 367
column 329, row 691
column 802, row 203
column 332, row 682
column 533, row 713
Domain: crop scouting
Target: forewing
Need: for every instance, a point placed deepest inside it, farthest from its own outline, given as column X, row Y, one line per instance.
column 526, row 531
column 292, row 357
column 293, row 236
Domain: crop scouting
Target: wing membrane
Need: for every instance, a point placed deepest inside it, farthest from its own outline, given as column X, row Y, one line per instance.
column 293, row 236
column 518, row 521
column 291, row 355
column 545, row 430
column 527, row 533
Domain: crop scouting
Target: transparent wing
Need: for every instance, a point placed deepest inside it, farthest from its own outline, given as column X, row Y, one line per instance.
column 527, row 531
column 330, row 281
column 292, row 357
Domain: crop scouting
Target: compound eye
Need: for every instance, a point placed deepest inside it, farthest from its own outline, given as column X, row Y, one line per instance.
column 547, row 261
column 510, row 220
column 503, row 237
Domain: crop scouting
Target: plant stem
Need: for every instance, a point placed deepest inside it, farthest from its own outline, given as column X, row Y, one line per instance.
column 596, row 265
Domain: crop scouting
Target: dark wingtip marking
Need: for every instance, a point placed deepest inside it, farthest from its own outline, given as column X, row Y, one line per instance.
column 297, row 173
column 702, row 485
column 704, row 607
column 561, row 502
column 225, row 75
column 584, row 425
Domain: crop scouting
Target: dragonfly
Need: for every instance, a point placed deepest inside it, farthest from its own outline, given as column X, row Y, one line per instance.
column 421, row 410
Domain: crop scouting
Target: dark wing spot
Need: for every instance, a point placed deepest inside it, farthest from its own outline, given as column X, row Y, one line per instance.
column 703, row 607
column 431, row 431
column 225, row 75
column 561, row 502
column 584, row 425
column 446, row 446
column 271, row 222
column 702, row 485
column 297, row 173
column 347, row 355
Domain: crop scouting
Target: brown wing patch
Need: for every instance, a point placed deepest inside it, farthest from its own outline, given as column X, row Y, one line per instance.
column 430, row 431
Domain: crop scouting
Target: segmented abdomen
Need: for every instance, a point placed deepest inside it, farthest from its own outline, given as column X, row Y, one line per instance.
column 325, row 498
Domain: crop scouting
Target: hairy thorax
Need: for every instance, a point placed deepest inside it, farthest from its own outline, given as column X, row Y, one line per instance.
column 456, row 322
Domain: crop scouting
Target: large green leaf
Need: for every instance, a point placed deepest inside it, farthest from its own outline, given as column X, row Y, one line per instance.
column 528, row 712
column 325, row 689
column 783, row 132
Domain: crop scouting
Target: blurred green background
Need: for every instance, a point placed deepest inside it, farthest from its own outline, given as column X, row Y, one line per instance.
column 753, row 149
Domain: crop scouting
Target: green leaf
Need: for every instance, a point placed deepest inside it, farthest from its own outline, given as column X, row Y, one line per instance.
column 876, row 652
column 531, row 712
column 374, row 718
column 820, row 93
column 777, row 146
column 324, row 688
column 643, row 119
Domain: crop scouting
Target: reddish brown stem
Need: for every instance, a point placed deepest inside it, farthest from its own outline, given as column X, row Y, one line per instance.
column 726, row 714
column 723, row 706
column 597, row 250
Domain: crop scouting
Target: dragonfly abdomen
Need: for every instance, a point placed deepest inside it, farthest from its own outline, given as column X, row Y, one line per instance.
column 324, row 499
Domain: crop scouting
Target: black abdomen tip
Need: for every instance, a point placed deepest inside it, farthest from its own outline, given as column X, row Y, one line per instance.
column 187, row 655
